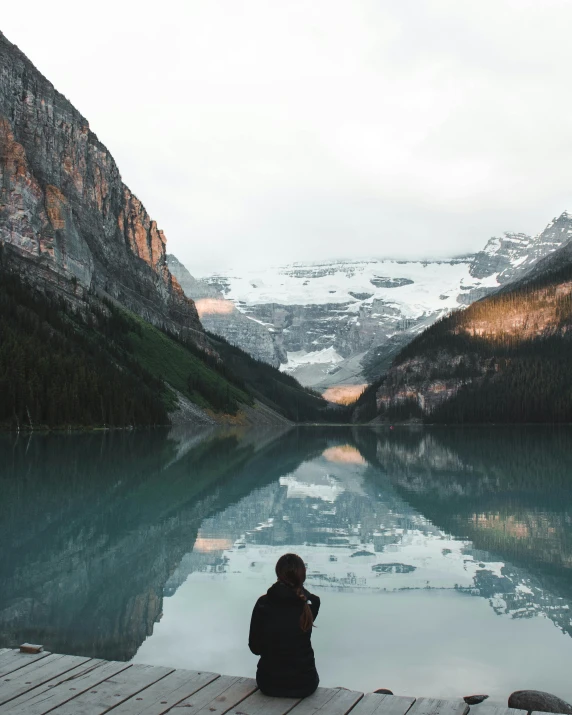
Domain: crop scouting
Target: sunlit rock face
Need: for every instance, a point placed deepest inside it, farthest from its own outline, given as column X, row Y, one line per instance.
column 221, row 317
column 344, row 394
column 64, row 211
column 214, row 306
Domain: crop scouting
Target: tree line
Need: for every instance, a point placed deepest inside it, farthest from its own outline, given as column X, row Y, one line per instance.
column 61, row 368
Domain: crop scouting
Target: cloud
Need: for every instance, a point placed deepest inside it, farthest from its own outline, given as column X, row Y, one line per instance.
column 260, row 131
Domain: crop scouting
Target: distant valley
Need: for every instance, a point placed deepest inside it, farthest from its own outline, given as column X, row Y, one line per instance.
column 336, row 325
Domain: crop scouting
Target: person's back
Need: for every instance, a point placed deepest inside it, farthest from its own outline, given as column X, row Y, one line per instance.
column 280, row 632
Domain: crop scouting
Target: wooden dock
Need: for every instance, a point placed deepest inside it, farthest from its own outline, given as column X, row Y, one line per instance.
column 35, row 684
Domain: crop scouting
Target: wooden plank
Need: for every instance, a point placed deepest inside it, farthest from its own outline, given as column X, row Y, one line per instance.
column 259, row 704
column 60, row 690
column 27, row 665
column 500, row 710
column 328, row 701
column 163, row 695
column 383, row 705
column 437, row 706
column 6, row 653
column 113, row 691
column 14, row 660
column 218, row 697
column 24, row 670
column 36, row 674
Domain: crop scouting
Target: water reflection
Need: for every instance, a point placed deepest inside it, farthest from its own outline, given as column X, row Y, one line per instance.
column 422, row 512
column 508, row 491
column 92, row 527
column 101, row 534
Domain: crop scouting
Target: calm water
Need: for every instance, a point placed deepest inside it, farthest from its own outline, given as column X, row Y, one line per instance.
column 443, row 557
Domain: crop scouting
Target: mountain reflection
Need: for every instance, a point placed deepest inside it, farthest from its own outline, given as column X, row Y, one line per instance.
column 92, row 526
column 97, row 530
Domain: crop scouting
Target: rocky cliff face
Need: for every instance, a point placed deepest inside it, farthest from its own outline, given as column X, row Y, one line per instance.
column 193, row 287
column 500, row 255
column 221, row 317
column 510, row 257
column 64, row 208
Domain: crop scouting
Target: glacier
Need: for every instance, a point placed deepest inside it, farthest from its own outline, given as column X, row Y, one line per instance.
column 336, row 323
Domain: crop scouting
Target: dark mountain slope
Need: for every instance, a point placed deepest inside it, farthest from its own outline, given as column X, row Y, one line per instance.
column 506, row 358
column 89, row 363
column 85, row 362
column 278, row 390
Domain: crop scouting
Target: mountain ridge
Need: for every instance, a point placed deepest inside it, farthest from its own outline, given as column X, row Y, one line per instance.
column 505, row 358
column 340, row 322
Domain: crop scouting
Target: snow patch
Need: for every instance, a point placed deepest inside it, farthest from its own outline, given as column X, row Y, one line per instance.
column 328, row 490
column 316, row 357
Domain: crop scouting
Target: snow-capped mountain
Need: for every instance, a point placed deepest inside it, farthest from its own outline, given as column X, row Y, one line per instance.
column 336, row 324
column 329, row 314
column 504, row 259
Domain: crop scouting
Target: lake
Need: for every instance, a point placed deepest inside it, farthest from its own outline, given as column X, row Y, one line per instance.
column 443, row 556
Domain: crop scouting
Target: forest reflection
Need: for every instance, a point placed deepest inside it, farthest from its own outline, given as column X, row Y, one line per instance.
column 97, row 529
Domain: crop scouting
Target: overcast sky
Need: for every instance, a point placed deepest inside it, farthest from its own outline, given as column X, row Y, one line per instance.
column 280, row 130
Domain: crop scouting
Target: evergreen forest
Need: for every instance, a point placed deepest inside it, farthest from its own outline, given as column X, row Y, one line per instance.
column 90, row 363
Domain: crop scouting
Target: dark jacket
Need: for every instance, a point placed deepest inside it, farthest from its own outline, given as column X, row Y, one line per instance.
column 286, row 667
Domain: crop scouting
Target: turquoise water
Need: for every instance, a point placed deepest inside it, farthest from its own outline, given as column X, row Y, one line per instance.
column 443, row 557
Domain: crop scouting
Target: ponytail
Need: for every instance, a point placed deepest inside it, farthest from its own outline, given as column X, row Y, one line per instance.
column 291, row 571
column 306, row 618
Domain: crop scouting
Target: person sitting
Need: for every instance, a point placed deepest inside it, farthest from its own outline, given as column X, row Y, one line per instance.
column 281, row 630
